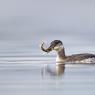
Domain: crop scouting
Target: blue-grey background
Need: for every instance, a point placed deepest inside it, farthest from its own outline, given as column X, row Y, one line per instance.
column 25, row 23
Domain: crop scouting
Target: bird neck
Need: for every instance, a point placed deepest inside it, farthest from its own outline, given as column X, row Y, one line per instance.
column 60, row 55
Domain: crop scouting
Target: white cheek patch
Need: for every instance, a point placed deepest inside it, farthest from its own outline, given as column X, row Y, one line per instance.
column 56, row 47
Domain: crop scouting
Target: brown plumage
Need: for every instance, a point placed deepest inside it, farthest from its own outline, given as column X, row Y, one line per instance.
column 79, row 57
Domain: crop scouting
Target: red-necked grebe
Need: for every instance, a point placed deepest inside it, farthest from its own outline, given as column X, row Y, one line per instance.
column 57, row 45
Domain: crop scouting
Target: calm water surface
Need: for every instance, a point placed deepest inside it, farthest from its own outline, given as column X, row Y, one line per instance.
column 38, row 75
column 24, row 69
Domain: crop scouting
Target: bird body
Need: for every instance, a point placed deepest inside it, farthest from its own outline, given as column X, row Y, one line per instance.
column 77, row 58
column 57, row 45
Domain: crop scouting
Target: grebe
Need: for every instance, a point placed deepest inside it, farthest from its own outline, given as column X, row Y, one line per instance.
column 57, row 45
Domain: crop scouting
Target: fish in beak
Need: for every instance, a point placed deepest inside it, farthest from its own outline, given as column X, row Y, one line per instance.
column 50, row 48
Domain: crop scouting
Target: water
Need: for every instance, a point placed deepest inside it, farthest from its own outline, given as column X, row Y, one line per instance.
column 38, row 75
column 26, row 70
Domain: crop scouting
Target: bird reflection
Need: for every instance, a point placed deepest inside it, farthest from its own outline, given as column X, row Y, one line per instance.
column 53, row 70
